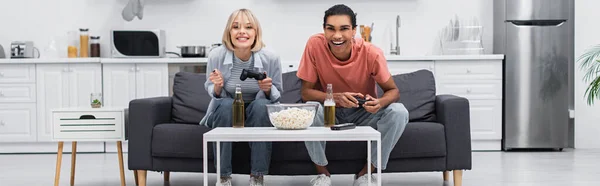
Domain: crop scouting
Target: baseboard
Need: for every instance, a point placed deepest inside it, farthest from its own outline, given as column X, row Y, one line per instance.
column 49, row 147
column 486, row 145
column 112, row 147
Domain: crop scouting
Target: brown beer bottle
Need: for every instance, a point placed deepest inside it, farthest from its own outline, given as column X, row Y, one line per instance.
column 329, row 104
column 238, row 108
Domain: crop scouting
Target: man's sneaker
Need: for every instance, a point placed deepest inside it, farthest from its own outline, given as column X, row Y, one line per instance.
column 364, row 180
column 257, row 181
column 225, row 181
column 321, row 180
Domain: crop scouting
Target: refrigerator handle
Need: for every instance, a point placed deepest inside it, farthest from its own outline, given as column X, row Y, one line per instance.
column 537, row 22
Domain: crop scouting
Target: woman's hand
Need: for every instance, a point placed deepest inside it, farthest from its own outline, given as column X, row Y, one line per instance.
column 265, row 85
column 217, row 79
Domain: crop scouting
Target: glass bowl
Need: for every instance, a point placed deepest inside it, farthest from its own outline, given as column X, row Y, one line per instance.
column 295, row 116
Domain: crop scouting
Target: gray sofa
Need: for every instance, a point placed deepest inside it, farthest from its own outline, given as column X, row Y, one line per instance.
column 164, row 134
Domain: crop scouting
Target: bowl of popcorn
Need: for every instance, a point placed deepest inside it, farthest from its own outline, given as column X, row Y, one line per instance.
column 292, row 116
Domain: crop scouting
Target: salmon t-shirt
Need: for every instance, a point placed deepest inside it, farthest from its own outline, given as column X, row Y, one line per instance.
column 366, row 66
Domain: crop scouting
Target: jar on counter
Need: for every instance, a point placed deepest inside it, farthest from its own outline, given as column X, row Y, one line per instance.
column 95, row 46
column 84, row 42
column 72, row 44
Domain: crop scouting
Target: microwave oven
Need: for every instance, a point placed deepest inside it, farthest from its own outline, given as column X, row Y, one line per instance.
column 138, row 43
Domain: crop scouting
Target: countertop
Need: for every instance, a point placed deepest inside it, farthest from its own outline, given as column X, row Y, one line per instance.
column 444, row 57
column 102, row 60
column 204, row 60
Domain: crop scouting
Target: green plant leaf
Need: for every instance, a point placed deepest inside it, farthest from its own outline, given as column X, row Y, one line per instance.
column 590, row 63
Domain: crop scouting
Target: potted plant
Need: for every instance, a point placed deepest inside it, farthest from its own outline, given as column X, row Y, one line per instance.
column 590, row 63
column 95, row 100
column 96, row 103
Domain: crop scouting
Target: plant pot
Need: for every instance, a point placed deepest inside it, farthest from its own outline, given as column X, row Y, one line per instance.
column 96, row 105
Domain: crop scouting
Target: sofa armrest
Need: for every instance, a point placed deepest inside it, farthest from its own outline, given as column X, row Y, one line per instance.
column 453, row 112
column 144, row 114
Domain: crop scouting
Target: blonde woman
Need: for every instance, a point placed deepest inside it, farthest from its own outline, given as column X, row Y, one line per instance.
column 242, row 49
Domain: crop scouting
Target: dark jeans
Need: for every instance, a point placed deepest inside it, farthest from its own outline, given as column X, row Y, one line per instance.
column 256, row 116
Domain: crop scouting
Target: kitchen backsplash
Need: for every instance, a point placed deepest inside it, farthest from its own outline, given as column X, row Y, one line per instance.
column 286, row 23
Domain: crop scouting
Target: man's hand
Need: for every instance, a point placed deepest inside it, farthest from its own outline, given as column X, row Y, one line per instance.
column 372, row 105
column 265, row 85
column 347, row 99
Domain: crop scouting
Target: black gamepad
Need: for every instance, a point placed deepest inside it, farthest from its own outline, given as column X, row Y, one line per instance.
column 361, row 101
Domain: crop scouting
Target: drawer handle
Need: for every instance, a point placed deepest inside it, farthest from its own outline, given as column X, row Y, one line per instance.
column 468, row 90
column 468, row 70
column 1, row 94
column 1, row 74
column 1, row 123
column 87, row 117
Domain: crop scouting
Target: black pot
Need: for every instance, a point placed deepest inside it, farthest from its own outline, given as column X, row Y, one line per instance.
column 193, row 51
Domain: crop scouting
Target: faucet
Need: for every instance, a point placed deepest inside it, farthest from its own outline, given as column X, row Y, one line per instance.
column 396, row 50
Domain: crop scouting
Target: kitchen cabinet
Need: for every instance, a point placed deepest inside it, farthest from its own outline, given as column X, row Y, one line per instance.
column 62, row 86
column 480, row 81
column 129, row 81
column 125, row 82
column 17, row 103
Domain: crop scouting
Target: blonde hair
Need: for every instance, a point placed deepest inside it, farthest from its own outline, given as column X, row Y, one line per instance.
column 258, row 43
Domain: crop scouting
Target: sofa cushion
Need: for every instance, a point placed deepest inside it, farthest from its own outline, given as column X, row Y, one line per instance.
column 291, row 88
column 190, row 99
column 178, row 140
column 417, row 93
column 420, row 139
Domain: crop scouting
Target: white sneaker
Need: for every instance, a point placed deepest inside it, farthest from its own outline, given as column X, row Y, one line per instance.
column 364, row 180
column 226, row 181
column 321, row 180
column 257, row 181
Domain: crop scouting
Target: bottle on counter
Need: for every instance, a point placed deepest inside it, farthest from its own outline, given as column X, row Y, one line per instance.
column 95, row 46
column 84, row 42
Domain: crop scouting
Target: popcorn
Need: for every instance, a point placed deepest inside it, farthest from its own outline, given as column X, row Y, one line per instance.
column 292, row 118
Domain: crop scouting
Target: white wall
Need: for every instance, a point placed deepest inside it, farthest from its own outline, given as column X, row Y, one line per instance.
column 286, row 23
column 587, row 118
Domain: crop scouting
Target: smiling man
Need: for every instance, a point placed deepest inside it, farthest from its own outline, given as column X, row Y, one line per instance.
column 353, row 67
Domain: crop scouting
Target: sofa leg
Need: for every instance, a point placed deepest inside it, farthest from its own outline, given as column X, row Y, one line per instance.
column 166, row 174
column 142, row 177
column 446, row 174
column 457, row 177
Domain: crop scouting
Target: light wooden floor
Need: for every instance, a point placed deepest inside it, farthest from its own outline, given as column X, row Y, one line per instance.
column 572, row 167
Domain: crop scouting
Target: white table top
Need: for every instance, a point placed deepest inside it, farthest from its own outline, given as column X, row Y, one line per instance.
column 360, row 133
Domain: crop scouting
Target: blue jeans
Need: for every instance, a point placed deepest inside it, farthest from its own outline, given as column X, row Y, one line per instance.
column 256, row 116
column 389, row 121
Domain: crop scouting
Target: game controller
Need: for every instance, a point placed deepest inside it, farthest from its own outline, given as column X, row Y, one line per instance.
column 251, row 74
column 361, row 101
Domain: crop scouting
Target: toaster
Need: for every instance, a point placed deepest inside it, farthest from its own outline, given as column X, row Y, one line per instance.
column 21, row 49
column 138, row 43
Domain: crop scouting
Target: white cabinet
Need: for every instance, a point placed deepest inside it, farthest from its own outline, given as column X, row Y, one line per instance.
column 403, row 67
column 480, row 81
column 17, row 103
column 17, row 122
column 61, row 86
column 125, row 82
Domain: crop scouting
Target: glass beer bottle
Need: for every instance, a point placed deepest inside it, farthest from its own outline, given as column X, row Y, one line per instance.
column 238, row 108
column 329, row 104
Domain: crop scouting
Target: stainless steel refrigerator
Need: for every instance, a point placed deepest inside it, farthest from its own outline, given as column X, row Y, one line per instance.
column 536, row 37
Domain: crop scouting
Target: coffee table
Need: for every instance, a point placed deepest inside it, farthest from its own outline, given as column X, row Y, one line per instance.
column 251, row 134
